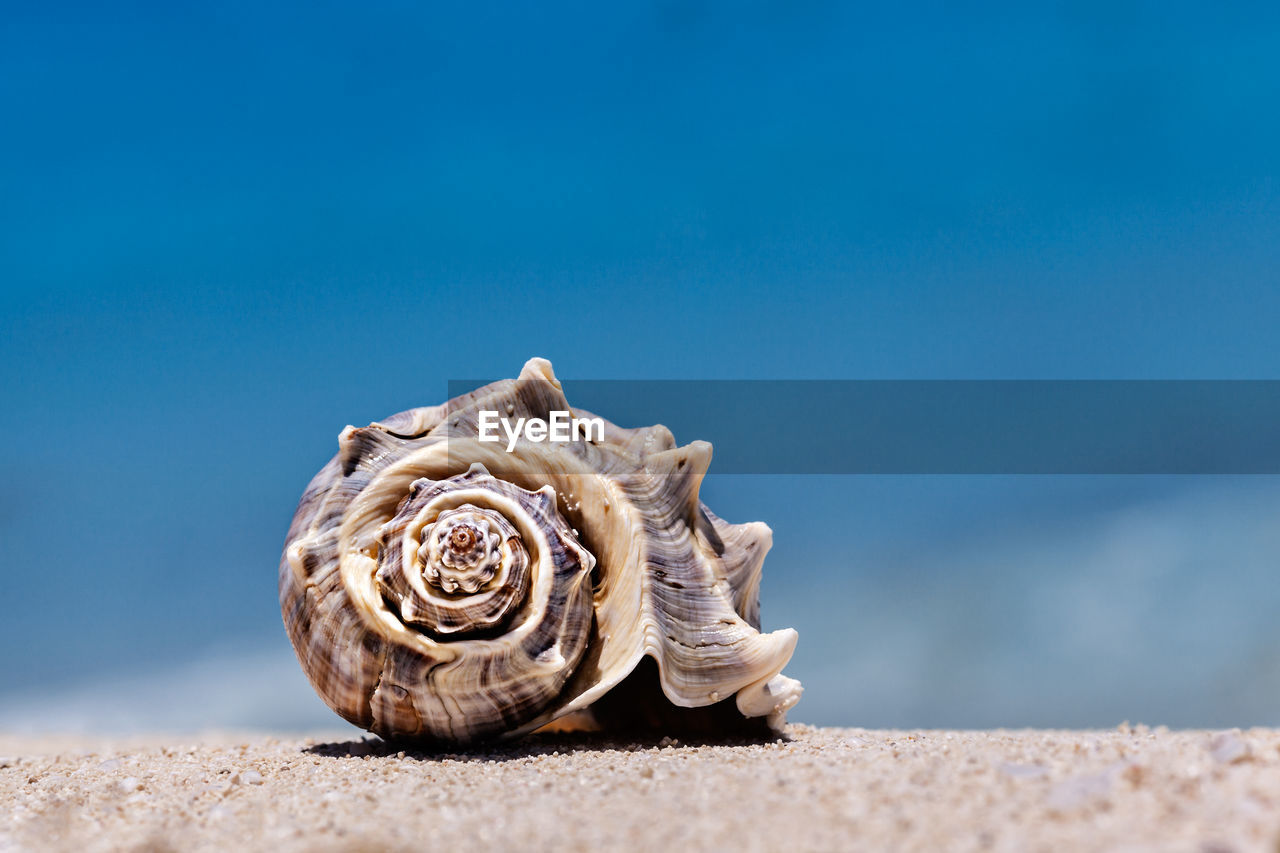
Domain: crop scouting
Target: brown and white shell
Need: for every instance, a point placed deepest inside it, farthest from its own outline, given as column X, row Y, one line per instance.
column 441, row 588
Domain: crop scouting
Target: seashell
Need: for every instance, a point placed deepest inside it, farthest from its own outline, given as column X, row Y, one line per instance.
column 439, row 587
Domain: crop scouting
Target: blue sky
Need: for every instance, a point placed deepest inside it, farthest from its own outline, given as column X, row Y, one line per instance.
column 227, row 232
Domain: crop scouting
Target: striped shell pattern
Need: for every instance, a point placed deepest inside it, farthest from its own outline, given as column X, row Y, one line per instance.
column 443, row 589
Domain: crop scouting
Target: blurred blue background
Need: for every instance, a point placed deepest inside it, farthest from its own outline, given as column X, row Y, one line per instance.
column 228, row 231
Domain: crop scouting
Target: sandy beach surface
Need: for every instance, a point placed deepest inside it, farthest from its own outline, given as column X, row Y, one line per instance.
column 1132, row 788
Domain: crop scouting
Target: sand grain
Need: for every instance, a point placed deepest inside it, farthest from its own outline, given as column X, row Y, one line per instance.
column 824, row 789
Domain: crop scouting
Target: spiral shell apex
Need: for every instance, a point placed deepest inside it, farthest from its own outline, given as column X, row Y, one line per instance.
column 443, row 588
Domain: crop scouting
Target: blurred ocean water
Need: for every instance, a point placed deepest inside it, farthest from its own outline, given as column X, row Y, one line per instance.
column 921, row 602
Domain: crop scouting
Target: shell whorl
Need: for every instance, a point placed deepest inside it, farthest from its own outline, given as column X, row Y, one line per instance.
column 463, row 549
column 442, row 588
column 455, row 559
